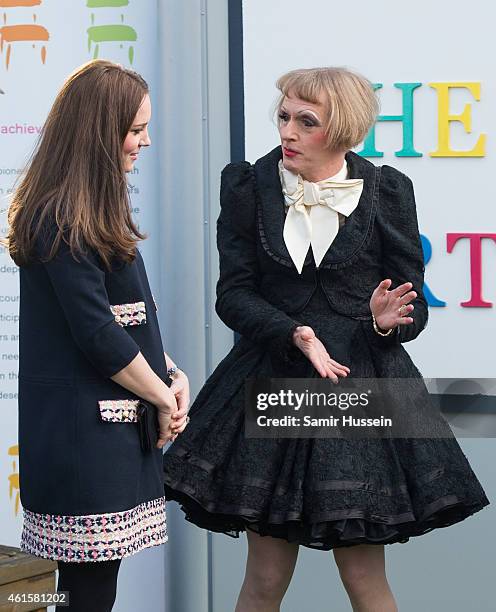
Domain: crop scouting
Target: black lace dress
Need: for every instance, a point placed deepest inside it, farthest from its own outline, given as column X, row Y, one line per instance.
column 321, row 493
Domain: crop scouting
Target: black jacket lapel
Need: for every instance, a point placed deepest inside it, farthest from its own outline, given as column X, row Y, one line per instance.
column 271, row 215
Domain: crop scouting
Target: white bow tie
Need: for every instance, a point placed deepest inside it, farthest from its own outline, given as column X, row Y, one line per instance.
column 312, row 218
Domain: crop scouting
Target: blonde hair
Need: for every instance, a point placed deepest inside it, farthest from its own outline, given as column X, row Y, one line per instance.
column 351, row 105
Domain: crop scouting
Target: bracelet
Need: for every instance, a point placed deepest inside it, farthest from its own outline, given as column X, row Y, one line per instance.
column 377, row 329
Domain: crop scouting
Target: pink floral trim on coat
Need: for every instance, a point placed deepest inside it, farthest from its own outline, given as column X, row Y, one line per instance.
column 119, row 411
column 95, row 537
column 129, row 314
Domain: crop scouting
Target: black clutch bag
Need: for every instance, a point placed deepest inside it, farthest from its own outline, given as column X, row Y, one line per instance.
column 147, row 425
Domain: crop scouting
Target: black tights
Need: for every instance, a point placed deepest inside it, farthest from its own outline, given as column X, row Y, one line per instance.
column 92, row 586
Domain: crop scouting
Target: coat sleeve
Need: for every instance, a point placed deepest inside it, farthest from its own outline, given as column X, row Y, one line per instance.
column 239, row 303
column 403, row 259
column 79, row 285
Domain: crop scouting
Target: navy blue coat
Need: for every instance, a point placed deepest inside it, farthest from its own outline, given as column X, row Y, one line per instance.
column 80, row 452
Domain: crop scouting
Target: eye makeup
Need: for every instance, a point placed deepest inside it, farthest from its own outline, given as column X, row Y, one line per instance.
column 310, row 118
column 306, row 117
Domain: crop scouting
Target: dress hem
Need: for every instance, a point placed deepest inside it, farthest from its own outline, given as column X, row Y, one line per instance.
column 337, row 528
column 95, row 537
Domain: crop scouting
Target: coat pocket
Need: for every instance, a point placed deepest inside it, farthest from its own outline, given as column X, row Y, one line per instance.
column 129, row 314
column 119, row 411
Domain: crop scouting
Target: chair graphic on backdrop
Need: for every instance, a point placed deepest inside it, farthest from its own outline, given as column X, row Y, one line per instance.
column 14, row 489
column 21, row 32
column 112, row 33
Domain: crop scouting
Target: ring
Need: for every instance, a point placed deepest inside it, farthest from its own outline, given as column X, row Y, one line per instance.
column 402, row 309
column 187, row 420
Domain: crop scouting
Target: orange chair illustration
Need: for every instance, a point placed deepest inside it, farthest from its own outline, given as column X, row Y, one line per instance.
column 18, row 3
column 21, row 32
column 14, row 478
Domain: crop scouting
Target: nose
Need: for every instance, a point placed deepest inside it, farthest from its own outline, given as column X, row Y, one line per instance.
column 145, row 141
column 287, row 131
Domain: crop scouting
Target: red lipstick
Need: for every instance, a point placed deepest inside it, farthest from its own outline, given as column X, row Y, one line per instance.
column 289, row 152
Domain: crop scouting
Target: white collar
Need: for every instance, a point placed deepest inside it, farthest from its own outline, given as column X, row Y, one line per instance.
column 312, row 218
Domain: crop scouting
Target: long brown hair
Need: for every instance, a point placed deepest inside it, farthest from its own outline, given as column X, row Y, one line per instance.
column 75, row 180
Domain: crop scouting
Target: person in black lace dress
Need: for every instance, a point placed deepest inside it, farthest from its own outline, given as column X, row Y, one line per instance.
column 321, row 274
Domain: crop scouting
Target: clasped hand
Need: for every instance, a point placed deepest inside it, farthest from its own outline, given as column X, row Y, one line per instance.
column 173, row 413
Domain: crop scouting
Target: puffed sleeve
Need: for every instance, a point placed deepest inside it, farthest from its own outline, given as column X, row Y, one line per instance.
column 239, row 303
column 403, row 259
column 79, row 285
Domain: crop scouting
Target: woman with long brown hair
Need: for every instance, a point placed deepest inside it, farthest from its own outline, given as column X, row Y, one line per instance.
column 98, row 397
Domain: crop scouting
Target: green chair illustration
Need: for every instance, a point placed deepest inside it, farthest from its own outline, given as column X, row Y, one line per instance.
column 116, row 33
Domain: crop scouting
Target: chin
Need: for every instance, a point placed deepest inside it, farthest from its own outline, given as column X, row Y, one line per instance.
column 290, row 165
